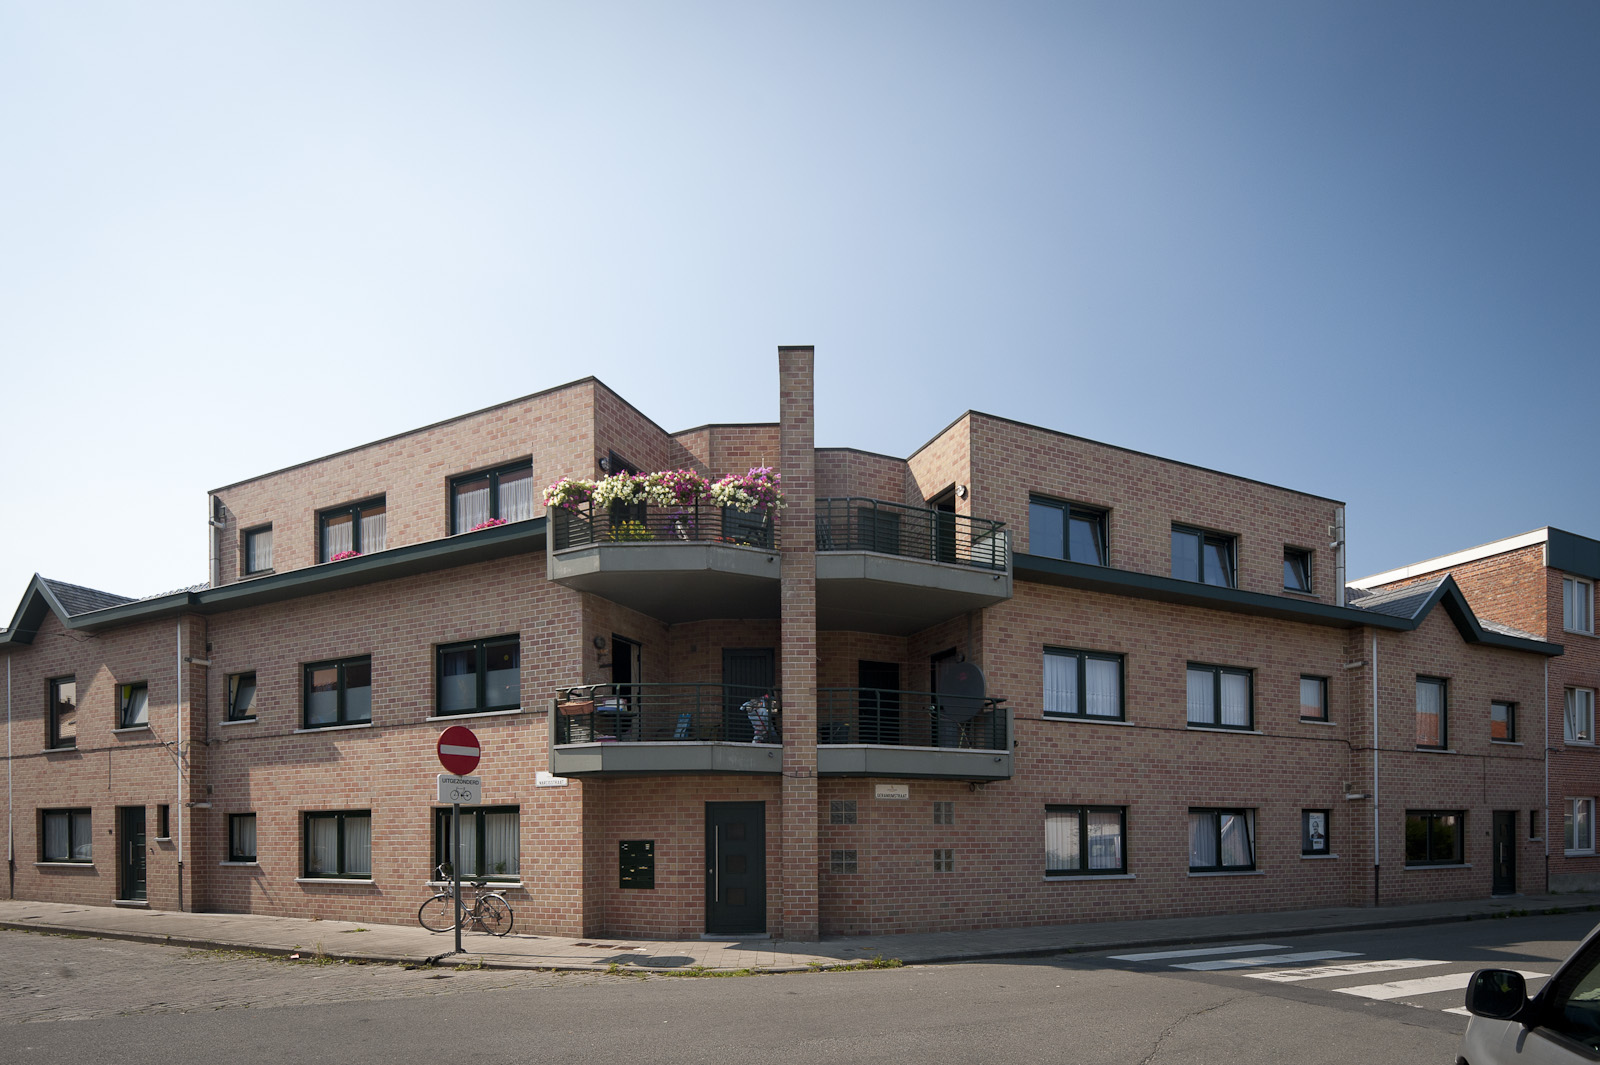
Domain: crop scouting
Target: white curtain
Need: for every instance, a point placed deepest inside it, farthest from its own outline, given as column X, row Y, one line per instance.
column 1311, row 698
column 1105, row 839
column 244, row 836
column 138, row 709
column 258, row 548
column 516, row 496
column 1237, row 850
column 82, row 841
column 1236, row 700
column 322, row 704
column 472, row 504
column 55, row 837
column 374, row 531
column 1430, row 706
column 1104, row 688
column 338, row 536
column 502, row 844
column 1200, row 697
column 1202, row 840
column 358, row 845
column 458, row 681
column 469, row 843
column 1060, row 684
column 1580, row 715
column 323, row 852
column 1061, row 839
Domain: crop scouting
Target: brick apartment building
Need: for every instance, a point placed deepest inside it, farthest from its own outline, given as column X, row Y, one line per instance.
column 1540, row 582
column 706, row 717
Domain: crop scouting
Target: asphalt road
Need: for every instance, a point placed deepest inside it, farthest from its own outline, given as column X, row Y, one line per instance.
column 1340, row 998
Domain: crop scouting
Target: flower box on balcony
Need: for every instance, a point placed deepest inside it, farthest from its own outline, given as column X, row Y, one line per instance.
column 577, row 708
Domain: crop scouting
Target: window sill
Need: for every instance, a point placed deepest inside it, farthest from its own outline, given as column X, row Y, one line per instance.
column 1087, row 719
column 1572, row 743
column 1436, row 750
column 1578, row 854
column 238, row 721
column 475, row 713
column 130, row 728
column 134, row 904
column 1316, row 721
column 466, row 885
column 1579, row 632
column 1069, row 877
column 59, row 750
column 63, row 865
column 332, row 880
column 331, row 728
column 1225, row 729
column 1441, row 865
column 242, row 865
column 1317, row 857
column 1233, row 872
column 160, row 839
column 1505, row 743
column 253, row 574
column 1301, row 594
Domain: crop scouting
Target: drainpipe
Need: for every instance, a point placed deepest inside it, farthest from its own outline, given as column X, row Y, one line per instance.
column 216, row 523
column 1338, row 556
column 1376, row 859
column 180, row 764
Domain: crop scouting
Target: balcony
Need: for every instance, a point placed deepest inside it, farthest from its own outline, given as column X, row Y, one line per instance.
column 680, row 564
column 666, row 728
column 877, row 732
column 890, row 568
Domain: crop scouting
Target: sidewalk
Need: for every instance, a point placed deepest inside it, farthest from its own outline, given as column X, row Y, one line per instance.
column 415, row 945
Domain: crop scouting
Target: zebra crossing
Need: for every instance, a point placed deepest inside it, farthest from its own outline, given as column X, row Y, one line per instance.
column 1277, row 964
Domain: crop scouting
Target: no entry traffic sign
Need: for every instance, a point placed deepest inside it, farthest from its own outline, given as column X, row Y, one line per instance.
column 459, row 750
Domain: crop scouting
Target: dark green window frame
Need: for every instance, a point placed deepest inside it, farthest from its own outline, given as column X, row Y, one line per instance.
column 481, row 650
column 474, row 819
column 132, row 700
column 342, row 872
column 1229, row 577
column 1321, row 684
column 1081, row 710
column 242, row 696
column 355, row 512
column 1085, row 848
column 1217, row 673
column 1502, row 712
column 164, row 821
column 342, row 715
column 1429, row 841
column 80, row 835
column 1217, row 813
column 237, row 851
column 55, row 715
column 494, row 475
column 1297, row 573
column 257, row 551
column 1043, row 512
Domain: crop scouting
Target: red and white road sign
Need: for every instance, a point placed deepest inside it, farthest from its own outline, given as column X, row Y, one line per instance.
column 459, row 750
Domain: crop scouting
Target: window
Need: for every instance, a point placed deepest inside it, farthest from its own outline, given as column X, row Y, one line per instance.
column 258, row 550
column 1222, row 841
column 360, row 528
column 1580, row 826
column 491, row 842
column 339, row 693
column 241, row 837
column 1314, row 831
column 164, row 821
column 842, row 812
column 505, row 494
column 1313, row 698
column 65, row 836
column 1296, row 569
column 944, row 813
column 1503, row 721
column 1082, row 684
column 1432, row 714
column 63, row 712
column 944, row 860
column 1579, row 718
column 1577, row 605
column 339, row 844
column 1065, row 530
column 1433, row 837
column 133, row 705
column 1202, row 556
column 481, row 675
column 1219, row 697
column 1533, row 824
column 1085, row 840
column 843, row 862
column 242, row 697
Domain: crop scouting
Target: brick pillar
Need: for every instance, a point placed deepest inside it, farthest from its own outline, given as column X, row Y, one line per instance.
column 798, row 606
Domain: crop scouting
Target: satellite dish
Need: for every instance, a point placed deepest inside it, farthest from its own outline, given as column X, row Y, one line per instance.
column 961, row 691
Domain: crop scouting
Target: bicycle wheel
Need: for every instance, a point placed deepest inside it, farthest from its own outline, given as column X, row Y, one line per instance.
column 438, row 913
column 494, row 914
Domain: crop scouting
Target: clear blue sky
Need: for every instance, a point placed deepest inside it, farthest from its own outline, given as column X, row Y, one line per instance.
column 1346, row 247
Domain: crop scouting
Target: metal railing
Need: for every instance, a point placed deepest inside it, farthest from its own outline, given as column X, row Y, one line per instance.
column 664, row 713
column 909, row 719
column 854, row 524
column 642, row 523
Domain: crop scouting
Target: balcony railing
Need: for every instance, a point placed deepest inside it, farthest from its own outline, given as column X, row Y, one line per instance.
column 890, row 718
column 666, row 713
column 643, row 523
column 912, row 532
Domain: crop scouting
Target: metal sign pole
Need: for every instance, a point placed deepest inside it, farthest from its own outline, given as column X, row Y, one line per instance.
column 455, row 866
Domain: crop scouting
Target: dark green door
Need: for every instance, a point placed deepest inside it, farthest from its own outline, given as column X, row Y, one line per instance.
column 131, row 852
column 1505, row 853
column 747, row 674
column 736, row 868
column 879, row 710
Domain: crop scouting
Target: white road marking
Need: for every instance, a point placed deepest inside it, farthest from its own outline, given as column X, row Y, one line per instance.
column 1162, row 955
column 1271, row 959
column 1427, row 985
column 1355, row 968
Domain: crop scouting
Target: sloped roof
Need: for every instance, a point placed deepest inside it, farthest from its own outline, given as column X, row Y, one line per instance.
column 76, row 599
column 1413, row 602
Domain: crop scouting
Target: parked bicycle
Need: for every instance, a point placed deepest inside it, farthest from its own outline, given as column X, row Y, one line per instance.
column 489, row 911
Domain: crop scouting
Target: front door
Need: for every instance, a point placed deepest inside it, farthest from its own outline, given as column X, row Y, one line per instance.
column 944, row 528
column 747, row 675
column 736, row 868
column 131, row 852
column 879, row 684
column 1505, row 852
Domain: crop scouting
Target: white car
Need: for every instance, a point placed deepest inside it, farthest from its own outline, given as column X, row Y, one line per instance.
column 1561, row 1024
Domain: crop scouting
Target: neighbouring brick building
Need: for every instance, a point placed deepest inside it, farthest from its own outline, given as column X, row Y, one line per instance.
column 1019, row 677
column 1541, row 582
